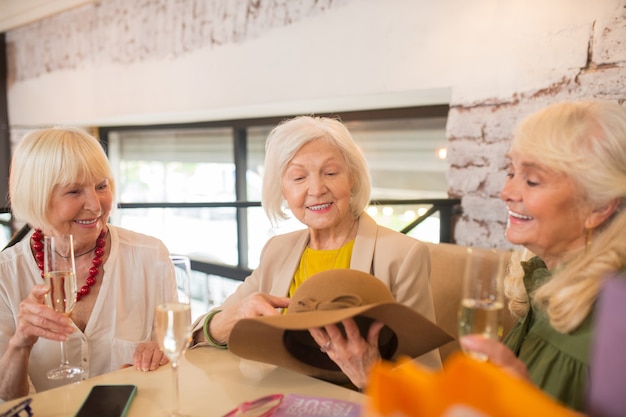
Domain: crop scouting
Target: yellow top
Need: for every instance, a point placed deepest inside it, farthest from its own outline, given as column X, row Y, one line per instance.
column 314, row 261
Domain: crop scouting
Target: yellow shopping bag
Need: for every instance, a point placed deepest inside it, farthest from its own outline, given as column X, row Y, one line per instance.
column 465, row 387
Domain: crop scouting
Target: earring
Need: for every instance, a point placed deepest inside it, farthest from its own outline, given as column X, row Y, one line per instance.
column 588, row 238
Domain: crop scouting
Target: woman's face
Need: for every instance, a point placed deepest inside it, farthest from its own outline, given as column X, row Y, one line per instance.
column 81, row 209
column 317, row 186
column 547, row 212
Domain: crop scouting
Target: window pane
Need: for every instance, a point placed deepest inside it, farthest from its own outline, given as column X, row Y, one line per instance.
column 259, row 231
column 404, row 156
column 407, row 161
column 174, row 165
column 399, row 216
column 180, row 166
column 5, row 229
column 208, row 234
column 256, row 156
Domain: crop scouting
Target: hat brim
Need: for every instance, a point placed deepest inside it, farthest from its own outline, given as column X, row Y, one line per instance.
column 263, row 338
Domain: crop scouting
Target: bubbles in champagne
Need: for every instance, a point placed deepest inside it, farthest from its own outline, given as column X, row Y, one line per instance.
column 482, row 317
column 62, row 294
column 172, row 325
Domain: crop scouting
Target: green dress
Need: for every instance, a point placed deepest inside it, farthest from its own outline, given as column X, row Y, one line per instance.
column 557, row 363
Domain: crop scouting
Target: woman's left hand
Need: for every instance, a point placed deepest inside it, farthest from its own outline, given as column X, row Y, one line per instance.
column 148, row 357
column 352, row 353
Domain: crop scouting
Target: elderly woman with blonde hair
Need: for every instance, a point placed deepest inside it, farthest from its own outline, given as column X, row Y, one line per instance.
column 565, row 193
column 61, row 183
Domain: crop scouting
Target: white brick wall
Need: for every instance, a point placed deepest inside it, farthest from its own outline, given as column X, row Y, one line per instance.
column 479, row 132
column 129, row 32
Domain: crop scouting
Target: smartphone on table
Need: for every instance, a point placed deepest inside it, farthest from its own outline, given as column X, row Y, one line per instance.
column 107, row 401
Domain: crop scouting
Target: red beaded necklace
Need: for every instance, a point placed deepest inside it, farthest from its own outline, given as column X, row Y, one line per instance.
column 98, row 251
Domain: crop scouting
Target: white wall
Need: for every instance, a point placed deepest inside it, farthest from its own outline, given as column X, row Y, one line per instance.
column 115, row 62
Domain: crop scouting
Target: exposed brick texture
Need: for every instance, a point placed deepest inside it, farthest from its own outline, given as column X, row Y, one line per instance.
column 479, row 132
column 126, row 32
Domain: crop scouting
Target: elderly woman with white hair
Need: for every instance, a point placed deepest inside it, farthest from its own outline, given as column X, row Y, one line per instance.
column 314, row 165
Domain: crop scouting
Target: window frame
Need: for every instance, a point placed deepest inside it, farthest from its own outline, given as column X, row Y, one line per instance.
column 239, row 127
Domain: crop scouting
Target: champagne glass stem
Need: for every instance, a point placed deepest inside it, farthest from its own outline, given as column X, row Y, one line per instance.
column 176, row 392
column 64, row 362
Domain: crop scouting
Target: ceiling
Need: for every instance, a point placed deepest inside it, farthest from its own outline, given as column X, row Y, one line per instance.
column 15, row 13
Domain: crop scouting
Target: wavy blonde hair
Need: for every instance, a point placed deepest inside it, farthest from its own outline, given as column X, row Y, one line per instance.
column 586, row 141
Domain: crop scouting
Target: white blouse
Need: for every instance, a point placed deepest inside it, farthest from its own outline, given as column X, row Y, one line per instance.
column 137, row 267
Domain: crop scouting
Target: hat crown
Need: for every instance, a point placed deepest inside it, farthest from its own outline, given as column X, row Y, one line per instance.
column 338, row 288
column 343, row 301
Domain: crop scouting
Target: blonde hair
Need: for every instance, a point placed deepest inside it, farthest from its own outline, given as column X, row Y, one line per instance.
column 586, row 141
column 286, row 139
column 46, row 158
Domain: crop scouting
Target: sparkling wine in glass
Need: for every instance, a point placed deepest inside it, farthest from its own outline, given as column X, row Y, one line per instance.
column 172, row 321
column 59, row 273
column 482, row 304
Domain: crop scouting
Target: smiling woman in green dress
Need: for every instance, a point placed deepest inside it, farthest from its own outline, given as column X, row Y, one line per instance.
column 565, row 193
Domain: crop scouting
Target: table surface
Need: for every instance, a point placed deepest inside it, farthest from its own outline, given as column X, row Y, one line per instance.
column 212, row 382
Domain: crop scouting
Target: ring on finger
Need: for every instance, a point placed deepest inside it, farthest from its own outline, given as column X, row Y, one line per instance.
column 326, row 346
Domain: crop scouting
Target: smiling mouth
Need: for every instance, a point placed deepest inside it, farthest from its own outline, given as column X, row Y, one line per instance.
column 319, row 207
column 519, row 216
column 87, row 222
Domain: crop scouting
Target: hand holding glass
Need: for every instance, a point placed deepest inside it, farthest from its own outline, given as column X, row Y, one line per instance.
column 59, row 273
column 172, row 321
column 482, row 302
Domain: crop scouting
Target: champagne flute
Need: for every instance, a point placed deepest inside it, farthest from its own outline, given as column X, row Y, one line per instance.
column 482, row 302
column 172, row 321
column 59, row 273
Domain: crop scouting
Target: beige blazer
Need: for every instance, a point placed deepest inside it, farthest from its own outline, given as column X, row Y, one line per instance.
column 400, row 261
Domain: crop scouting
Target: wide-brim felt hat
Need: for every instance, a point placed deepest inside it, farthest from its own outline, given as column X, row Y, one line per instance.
column 328, row 298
